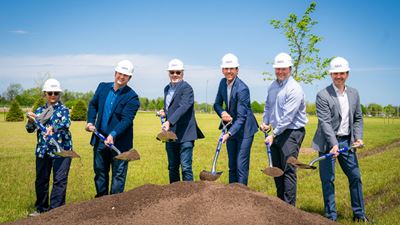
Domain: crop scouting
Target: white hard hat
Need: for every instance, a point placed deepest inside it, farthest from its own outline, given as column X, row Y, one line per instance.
column 282, row 60
column 175, row 64
column 125, row 67
column 52, row 85
column 229, row 61
column 338, row 65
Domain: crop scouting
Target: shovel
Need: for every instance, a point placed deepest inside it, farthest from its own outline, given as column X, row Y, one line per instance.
column 301, row 165
column 126, row 156
column 214, row 175
column 164, row 135
column 60, row 152
column 270, row 170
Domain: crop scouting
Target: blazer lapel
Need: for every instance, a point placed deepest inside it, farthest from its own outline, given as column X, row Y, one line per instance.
column 333, row 94
column 233, row 91
column 177, row 89
column 225, row 93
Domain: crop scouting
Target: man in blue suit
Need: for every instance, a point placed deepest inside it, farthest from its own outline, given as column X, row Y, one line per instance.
column 111, row 111
column 180, row 119
column 235, row 95
column 340, row 124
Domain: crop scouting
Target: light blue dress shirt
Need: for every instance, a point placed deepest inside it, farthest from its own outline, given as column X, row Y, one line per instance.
column 285, row 107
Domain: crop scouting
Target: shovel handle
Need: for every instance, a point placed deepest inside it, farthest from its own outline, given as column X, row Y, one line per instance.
column 329, row 155
column 109, row 144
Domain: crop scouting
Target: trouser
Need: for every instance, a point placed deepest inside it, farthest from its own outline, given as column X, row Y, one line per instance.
column 60, row 168
column 239, row 159
column 349, row 164
column 284, row 145
column 180, row 155
column 102, row 163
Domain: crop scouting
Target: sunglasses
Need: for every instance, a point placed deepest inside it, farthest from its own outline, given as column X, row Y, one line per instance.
column 51, row 93
column 175, row 72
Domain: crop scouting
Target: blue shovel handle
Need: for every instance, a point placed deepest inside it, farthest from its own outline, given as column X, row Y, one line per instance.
column 109, row 144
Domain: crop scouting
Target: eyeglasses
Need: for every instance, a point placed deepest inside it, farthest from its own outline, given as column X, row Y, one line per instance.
column 51, row 93
column 175, row 72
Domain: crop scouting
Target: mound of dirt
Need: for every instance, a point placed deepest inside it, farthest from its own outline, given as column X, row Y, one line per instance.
column 180, row 203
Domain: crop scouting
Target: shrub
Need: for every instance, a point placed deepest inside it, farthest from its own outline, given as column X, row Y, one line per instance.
column 39, row 102
column 15, row 113
column 79, row 111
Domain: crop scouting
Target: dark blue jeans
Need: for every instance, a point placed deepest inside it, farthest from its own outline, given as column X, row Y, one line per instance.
column 239, row 159
column 102, row 163
column 60, row 168
column 180, row 154
column 349, row 164
column 284, row 145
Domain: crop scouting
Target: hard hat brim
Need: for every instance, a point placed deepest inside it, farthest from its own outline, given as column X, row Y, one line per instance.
column 123, row 72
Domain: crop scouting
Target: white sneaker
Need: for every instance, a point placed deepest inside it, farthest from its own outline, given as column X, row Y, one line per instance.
column 33, row 214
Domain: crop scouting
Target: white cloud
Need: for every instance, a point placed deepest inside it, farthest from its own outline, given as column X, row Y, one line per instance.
column 21, row 32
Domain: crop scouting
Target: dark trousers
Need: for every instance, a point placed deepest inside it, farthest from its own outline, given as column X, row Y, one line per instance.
column 102, row 163
column 60, row 168
column 284, row 145
column 349, row 164
column 239, row 159
column 180, row 155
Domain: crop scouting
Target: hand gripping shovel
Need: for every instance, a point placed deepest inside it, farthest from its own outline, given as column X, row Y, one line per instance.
column 270, row 170
column 214, row 175
column 60, row 152
column 292, row 160
column 126, row 156
column 165, row 135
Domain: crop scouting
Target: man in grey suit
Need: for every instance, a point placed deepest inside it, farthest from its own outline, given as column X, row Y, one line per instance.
column 180, row 119
column 340, row 124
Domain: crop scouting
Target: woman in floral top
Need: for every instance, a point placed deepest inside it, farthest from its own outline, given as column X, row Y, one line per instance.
column 55, row 117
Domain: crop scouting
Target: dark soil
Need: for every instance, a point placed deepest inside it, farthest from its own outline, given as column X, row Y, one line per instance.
column 180, row 203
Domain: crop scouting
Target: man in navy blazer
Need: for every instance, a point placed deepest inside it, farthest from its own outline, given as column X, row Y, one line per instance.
column 111, row 111
column 340, row 124
column 235, row 95
column 180, row 119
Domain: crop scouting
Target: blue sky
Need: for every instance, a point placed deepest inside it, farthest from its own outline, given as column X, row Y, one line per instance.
column 80, row 42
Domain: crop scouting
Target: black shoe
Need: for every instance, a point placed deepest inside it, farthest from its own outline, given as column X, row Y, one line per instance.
column 361, row 219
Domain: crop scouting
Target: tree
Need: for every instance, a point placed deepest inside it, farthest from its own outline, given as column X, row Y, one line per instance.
column 39, row 102
column 375, row 109
column 257, row 107
column 15, row 113
column 389, row 110
column 79, row 111
column 12, row 91
column 363, row 109
column 307, row 64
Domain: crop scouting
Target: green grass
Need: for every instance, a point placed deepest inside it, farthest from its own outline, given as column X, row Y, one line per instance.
column 379, row 172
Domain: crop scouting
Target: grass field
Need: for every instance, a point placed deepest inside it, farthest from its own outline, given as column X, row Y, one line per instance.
column 380, row 175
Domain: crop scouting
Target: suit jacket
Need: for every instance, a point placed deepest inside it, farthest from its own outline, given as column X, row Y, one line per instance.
column 121, row 118
column 180, row 113
column 244, row 124
column 329, row 118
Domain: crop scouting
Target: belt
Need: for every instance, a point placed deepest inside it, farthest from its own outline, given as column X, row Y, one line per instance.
column 342, row 136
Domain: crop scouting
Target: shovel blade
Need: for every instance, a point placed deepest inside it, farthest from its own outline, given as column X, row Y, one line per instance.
column 166, row 136
column 272, row 171
column 130, row 155
column 292, row 160
column 209, row 176
column 68, row 154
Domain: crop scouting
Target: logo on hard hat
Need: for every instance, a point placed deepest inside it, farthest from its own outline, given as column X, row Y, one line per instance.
column 280, row 61
column 125, row 68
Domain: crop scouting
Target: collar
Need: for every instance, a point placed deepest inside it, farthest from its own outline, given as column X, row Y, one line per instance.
column 337, row 89
column 230, row 85
column 284, row 82
column 171, row 85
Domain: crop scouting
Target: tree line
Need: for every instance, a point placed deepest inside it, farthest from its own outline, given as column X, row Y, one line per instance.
column 27, row 97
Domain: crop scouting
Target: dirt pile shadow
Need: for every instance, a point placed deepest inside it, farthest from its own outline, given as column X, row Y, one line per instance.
column 180, row 203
